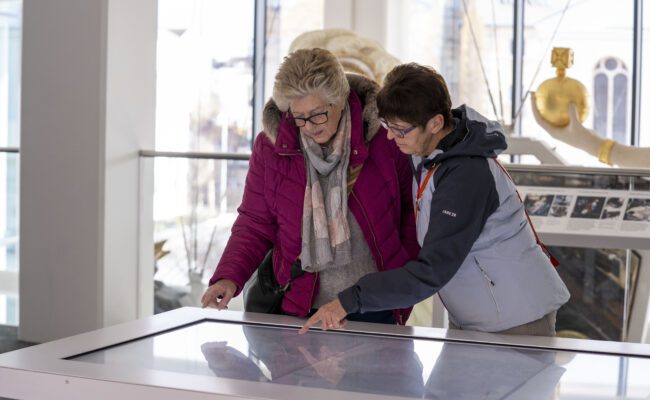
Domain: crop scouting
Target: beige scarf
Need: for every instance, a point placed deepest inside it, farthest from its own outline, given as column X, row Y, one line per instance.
column 325, row 229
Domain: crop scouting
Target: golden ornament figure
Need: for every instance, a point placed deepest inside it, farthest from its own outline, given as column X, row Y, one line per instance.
column 554, row 95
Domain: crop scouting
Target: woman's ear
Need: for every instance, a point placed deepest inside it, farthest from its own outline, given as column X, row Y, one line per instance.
column 435, row 124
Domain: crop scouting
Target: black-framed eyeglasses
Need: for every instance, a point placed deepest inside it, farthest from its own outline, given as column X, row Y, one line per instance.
column 316, row 119
column 399, row 132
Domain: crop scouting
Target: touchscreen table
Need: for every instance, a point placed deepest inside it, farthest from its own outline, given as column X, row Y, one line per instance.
column 251, row 356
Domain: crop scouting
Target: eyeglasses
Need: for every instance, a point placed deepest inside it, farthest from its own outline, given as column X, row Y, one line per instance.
column 399, row 132
column 316, row 119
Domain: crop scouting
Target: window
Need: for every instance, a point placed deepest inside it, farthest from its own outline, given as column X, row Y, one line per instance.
column 10, row 45
column 205, row 72
column 459, row 42
column 285, row 20
column 204, row 75
column 645, row 81
column 597, row 31
column 204, row 104
column 610, row 99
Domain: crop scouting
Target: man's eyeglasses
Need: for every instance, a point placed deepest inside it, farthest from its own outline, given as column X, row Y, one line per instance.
column 316, row 119
column 399, row 132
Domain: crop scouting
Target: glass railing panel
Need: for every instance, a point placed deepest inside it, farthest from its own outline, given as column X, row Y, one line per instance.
column 194, row 206
column 9, row 243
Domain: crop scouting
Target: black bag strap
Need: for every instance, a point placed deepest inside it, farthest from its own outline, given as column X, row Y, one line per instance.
column 296, row 269
column 266, row 275
column 296, row 272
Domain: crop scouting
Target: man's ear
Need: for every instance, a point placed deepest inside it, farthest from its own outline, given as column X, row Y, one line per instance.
column 435, row 124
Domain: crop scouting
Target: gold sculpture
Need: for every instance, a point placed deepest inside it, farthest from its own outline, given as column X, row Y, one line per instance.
column 554, row 95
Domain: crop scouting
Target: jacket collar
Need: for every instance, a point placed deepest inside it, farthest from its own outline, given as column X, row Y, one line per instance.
column 363, row 112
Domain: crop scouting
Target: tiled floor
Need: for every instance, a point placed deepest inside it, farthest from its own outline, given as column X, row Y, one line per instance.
column 9, row 339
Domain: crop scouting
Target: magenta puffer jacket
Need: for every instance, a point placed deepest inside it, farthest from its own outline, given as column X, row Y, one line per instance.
column 271, row 211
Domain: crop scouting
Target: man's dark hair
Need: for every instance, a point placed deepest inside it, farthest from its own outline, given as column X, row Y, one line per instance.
column 414, row 93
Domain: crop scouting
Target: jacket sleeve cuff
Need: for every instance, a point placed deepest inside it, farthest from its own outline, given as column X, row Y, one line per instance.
column 349, row 299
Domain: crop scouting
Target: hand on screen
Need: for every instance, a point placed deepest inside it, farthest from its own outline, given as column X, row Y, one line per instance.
column 219, row 294
column 331, row 316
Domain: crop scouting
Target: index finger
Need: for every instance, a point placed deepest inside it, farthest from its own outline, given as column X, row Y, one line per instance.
column 310, row 322
column 209, row 296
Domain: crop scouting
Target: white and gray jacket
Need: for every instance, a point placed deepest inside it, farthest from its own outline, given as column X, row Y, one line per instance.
column 478, row 249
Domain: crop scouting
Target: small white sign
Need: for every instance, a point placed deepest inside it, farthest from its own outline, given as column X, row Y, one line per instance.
column 596, row 212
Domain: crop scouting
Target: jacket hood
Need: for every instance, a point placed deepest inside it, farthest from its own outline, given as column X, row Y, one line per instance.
column 474, row 135
column 364, row 88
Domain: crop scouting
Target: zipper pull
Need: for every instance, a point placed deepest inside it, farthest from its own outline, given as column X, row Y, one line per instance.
column 487, row 277
column 478, row 264
column 285, row 288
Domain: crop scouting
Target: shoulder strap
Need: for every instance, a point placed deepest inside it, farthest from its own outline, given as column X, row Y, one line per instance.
column 550, row 256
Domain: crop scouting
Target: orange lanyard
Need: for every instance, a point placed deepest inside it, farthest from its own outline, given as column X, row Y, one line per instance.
column 421, row 188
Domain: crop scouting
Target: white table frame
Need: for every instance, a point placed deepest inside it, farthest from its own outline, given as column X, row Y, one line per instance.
column 42, row 371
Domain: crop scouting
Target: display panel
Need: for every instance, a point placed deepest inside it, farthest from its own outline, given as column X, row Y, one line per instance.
column 205, row 354
column 378, row 364
column 596, row 222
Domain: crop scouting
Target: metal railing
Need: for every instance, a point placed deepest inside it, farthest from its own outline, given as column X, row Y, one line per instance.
column 574, row 169
column 194, row 155
column 549, row 169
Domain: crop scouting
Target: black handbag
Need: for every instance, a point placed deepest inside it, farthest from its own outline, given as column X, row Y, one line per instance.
column 263, row 294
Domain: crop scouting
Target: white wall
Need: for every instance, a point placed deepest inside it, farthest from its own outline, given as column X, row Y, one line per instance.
column 88, row 94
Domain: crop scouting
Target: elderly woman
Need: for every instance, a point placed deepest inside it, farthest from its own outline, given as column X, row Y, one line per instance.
column 325, row 187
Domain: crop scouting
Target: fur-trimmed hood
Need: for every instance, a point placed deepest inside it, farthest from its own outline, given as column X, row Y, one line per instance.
column 364, row 88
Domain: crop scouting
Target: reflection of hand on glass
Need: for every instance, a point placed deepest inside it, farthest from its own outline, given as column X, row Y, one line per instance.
column 327, row 364
column 227, row 362
column 353, row 363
